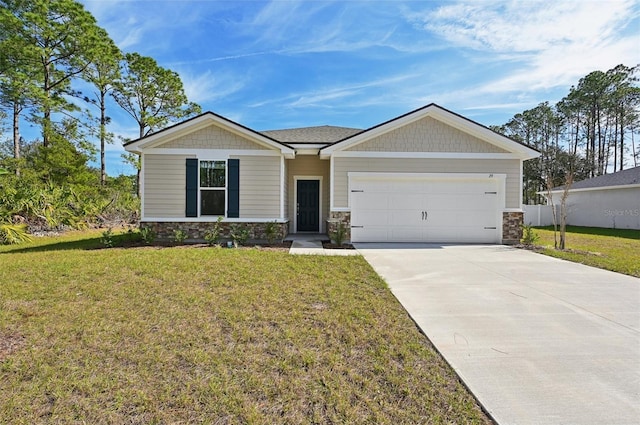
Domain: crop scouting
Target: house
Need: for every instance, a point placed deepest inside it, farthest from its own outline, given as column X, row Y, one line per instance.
column 609, row 200
column 430, row 175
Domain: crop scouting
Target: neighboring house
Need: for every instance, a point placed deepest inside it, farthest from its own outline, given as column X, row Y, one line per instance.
column 427, row 176
column 610, row 200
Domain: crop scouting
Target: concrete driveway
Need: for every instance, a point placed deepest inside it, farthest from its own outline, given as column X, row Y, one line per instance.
column 536, row 339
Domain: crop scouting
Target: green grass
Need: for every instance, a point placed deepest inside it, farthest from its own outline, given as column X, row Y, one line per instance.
column 209, row 335
column 611, row 249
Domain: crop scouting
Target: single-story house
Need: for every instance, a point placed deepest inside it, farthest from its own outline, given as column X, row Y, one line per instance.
column 430, row 175
column 609, row 200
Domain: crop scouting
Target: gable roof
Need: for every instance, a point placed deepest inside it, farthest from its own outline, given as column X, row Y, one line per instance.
column 441, row 114
column 628, row 177
column 199, row 122
column 325, row 134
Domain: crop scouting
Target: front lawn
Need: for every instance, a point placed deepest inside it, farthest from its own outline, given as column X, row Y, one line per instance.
column 208, row 335
column 612, row 249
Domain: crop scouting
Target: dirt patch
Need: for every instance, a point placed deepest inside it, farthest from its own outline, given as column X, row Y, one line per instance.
column 538, row 248
column 10, row 343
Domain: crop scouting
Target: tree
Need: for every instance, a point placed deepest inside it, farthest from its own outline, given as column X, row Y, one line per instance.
column 103, row 72
column 59, row 38
column 152, row 95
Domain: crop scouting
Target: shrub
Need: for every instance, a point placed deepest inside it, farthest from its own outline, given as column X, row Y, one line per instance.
column 340, row 234
column 13, row 234
column 179, row 236
column 529, row 236
column 148, row 235
column 212, row 235
column 271, row 231
column 239, row 234
column 107, row 238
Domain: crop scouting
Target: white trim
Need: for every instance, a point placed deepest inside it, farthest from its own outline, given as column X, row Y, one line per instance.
column 295, row 201
column 282, row 183
column 224, row 189
column 211, row 219
column 219, row 153
column 441, row 176
column 512, row 210
column 588, row 189
column 428, row 155
column 308, row 151
column 340, row 209
column 141, row 183
column 331, row 184
column 521, row 180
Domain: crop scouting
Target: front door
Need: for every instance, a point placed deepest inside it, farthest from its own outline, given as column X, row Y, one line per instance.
column 308, row 208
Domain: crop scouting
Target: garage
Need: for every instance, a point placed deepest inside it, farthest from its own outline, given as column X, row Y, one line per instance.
column 425, row 207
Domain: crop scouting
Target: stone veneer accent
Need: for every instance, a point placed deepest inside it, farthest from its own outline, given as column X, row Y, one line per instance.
column 512, row 227
column 336, row 217
column 195, row 230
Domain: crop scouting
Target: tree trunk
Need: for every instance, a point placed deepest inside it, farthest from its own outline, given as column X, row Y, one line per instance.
column 16, row 134
column 103, row 135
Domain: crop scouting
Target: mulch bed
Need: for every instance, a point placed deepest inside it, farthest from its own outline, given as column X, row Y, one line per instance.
column 329, row 245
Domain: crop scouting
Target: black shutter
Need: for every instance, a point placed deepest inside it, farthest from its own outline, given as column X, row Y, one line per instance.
column 233, row 188
column 192, row 188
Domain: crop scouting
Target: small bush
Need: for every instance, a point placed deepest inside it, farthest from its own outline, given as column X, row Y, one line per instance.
column 212, row 235
column 272, row 231
column 340, row 234
column 179, row 236
column 239, row 234
column 13, row 234
column 529, row 236
column 148, row 235
column 107, row 238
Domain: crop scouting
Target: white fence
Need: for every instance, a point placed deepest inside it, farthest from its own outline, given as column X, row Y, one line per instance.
column 538, row 215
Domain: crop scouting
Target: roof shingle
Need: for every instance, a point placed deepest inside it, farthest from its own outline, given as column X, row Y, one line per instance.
column 325, row 134
column 620, row 178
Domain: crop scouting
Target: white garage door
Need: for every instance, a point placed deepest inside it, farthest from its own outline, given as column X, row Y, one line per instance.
column 421, row 208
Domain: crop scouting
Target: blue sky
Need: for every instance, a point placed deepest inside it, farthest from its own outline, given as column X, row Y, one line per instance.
column 287, row 63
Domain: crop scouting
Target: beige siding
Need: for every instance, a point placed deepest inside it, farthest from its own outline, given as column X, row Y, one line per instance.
column 212, row 137
column 308, row 165
column 510, row 167
column 426, row 135
column 259, row 186
column 164, row 185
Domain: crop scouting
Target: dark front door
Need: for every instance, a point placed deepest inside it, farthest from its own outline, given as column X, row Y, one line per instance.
column 308, row 215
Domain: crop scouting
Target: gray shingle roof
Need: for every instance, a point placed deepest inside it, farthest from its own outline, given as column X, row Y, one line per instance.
column 621, row 178
column 322, row 134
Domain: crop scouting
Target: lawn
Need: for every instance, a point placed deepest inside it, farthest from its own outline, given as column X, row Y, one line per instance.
column 611, row 249
column 210, row 335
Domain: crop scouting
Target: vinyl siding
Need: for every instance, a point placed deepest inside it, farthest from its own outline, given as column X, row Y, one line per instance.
column 510, row 167
column 308, row 165
column 211, row 137
column 259, row 186
column 164, row 185
column 426, row 135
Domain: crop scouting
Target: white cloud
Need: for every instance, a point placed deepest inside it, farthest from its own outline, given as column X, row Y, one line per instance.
column 208, row 87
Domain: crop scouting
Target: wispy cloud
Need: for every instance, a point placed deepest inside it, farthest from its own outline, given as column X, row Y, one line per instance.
column 209, row 86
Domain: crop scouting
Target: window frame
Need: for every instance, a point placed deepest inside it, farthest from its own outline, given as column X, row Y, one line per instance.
column 207, row 188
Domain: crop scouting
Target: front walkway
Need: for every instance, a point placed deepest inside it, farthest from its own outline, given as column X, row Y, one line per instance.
column 537, row 340
column 311, row 244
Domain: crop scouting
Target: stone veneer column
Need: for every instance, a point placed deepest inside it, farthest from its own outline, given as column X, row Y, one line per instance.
column 336, row 217
column 512, row 227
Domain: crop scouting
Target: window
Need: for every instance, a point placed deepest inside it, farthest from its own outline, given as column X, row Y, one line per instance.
column 213, row 179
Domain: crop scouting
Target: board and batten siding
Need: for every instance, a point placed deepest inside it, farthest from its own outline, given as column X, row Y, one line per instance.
column 308, row 165
column 342, row 166
column 164, row 185
column 259, row 186
column 426, row 135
